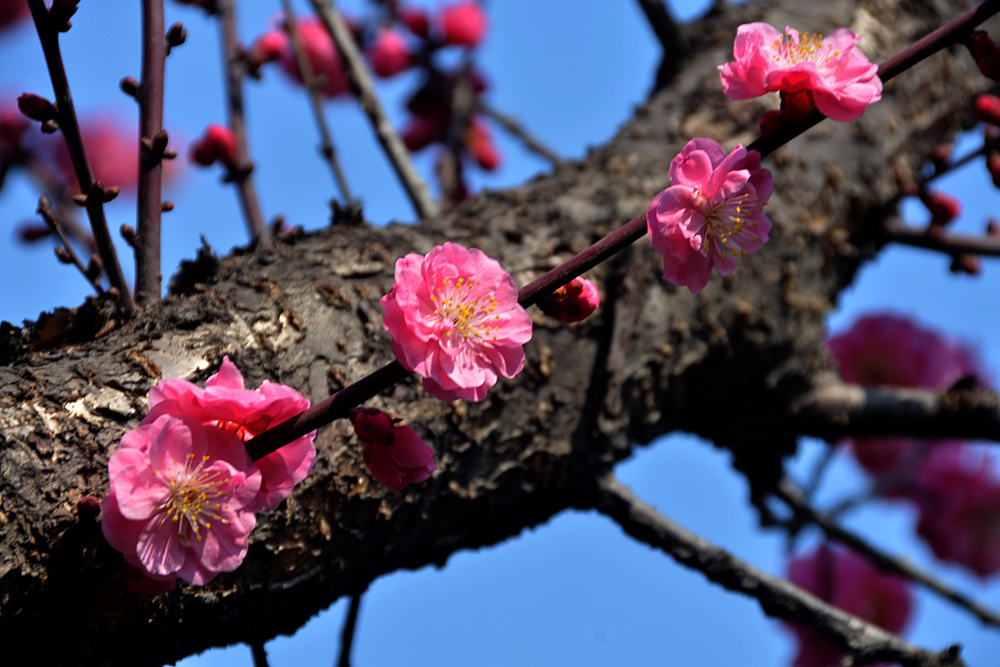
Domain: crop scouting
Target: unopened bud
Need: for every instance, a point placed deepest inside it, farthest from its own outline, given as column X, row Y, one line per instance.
column 372, row 425
column 50, row 127
column 770, row 120
column 940, row 155
column 176, row 35
column 987, row 109
column 572, row 302
column 63, row 255
column 966, row 263
column 88, row 507
column 107, row 192
column 992, row 227
column 943, row 207
column 94, row 268
column 985, row 53
column 993, row 166
column 128, row 233
column 36, row 107
column 81, row 200
column 130, row 87
column 166, row 206
column 217, row 144
column 32, row 232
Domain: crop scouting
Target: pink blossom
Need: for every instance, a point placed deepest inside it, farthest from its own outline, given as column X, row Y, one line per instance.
column 320, row 49
column 463, row 23
column 181, row 500
column 224, row 402
column 712, row 214
column 395, row 455
column 113, row 151
column 217, row 144
column 389, row 54
column 416, row 20
column 852, row 583
column 455, row 321
column 957, row 492
column 888, row 349
column 574, row 301
column 840, row 79
column 12, row 12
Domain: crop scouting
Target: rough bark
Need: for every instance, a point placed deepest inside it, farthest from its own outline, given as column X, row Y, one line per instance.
column 725, row 364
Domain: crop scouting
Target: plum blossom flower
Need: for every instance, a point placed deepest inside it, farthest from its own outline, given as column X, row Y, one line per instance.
column 463, row 23
column 395, row 455
column 712, row 214
column 181, row 502
column 838, row 77
column 225, row 403
column 852, row 583
column 454, row 320
column 957, row 492
column 389, row 54
column 319, row 49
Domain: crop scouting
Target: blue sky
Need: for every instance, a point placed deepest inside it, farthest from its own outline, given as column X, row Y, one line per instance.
column 574, row 591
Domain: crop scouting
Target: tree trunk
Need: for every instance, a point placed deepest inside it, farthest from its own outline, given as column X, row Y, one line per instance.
column 725, row 364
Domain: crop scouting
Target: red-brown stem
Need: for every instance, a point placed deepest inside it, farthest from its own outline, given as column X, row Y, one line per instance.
column 45, row 210
column 326, row 148
column 148, row 278
column 70, row 128
column 949, row 243
column 339, row 405
column 235, row 70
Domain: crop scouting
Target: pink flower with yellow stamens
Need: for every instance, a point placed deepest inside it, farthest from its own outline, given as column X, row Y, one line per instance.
column 181, row 502
column 455, row 321
column 712, row 214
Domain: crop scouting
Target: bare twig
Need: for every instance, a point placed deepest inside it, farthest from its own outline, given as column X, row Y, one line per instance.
column 152, row 142
column 232, row 56
column 48, row 35
column 52, row 220
column 259, row 654
column 940, row 240
column 813, row 416
column 514, row 128
column 347, row 634
column 861, row 640
column 360, row 78
column 835, row 410
column 795, row 499
column 311, row 83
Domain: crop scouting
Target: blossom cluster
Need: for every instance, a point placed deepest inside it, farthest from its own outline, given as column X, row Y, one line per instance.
column 184, row 492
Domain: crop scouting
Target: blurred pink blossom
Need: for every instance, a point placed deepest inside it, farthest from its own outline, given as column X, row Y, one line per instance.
column 395, row 455
column 181, row 501
column 225, row 403
column 455, row 321
column 463, row 23
column 12, row 12
column 852, row 583
column 112, row 147
column 712, row 214
column 838, row 76
column 389, row 54
column 320, row 50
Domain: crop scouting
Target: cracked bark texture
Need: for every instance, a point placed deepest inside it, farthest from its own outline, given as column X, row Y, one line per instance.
column 725, row 364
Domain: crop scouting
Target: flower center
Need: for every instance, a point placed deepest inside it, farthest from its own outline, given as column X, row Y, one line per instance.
column 727, row 221
column 196, row 497
column 808, row 48
column 465, row 308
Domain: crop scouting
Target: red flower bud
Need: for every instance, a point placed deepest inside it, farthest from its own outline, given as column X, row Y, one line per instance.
column 416, row 21
column 422, row 131
column 479, row 143
column 269, row 47
column 770, row 120
column 217, row 144
column 389, row 54
column 572, row 302
column 985, row 53
column 372, row 425
column 36, row 107
column 943, row 207
column 463, row 23
column 940, row 154
column 966, row 263
column 988, row 109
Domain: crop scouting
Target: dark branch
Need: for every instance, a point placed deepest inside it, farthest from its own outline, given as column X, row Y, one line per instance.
column 347, row 634
column 941, row 240
column 836, row 410
column 361, row 80
column 861, row 640
column 259, row 654
column 311, row 83
column 148, row 277
column 795, row 499
column 70, row 128
column 235, row 67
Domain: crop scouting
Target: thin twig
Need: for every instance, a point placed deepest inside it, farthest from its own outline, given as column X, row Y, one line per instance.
column 816, row 420
column 516, row 129
column 794, row 498
column 259, row 654
column 347, row 634
column 148, row 277
column 856, row 637
column 940, row 240
column 836, row 410
column 235, row 67
column 52, row 220
column 70, row 128
column 359, row 76
column 955, row 164
column 311, row 83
